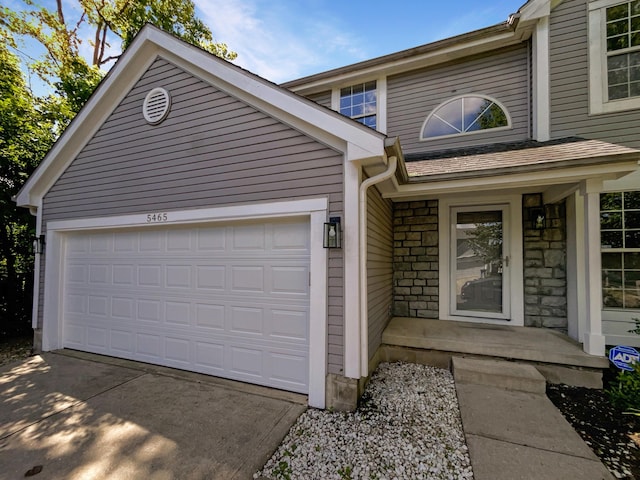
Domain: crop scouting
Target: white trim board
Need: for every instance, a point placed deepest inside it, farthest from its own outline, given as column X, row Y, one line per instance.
column 315, row 209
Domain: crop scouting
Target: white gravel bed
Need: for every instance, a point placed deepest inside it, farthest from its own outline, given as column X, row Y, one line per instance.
column 407, row 427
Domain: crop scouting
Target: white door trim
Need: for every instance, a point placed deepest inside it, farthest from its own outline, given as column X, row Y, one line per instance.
column 514, row 230
column 506, row 253
column 314, row 209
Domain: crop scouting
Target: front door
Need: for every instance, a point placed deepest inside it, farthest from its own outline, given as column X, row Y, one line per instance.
column 479, row 262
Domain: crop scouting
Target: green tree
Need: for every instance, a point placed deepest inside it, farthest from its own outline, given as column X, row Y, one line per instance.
column 27, row 131
column 62, row 66
column 29, row 125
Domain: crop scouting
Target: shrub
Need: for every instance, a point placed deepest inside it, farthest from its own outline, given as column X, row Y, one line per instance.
column 624, row 391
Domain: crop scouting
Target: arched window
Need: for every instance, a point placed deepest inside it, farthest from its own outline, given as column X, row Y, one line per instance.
column 463, row 115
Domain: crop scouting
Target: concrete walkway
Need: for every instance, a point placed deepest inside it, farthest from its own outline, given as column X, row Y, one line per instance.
column 515, row 434
column 73, row 418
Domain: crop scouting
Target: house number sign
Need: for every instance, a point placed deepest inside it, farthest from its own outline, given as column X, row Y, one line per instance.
column 157, row 217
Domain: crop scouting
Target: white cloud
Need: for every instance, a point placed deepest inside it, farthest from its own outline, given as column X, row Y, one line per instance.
column 275, row 42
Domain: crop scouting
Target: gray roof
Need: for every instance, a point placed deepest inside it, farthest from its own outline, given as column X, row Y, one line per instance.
column 514, row 157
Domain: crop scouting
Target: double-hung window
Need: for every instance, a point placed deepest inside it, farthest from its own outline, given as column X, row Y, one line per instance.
column 614, row 55
column 620, row 241
column 360, row 102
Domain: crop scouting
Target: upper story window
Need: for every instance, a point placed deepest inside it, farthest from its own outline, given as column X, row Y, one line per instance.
column 360, row 102
column 463, row 115
column 623, row 50
column 614, row 56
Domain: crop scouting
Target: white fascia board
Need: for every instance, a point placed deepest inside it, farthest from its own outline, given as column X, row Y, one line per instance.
column 304, row 115
column 428, row 59
column 325, row 126
column 124, row 74
column 516, row 180
column 535, row 9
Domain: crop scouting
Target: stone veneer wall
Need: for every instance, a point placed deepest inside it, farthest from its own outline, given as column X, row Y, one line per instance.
column 415, row 259
column 545, row 262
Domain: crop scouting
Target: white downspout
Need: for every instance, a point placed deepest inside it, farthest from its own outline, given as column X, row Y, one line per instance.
column 364, row 300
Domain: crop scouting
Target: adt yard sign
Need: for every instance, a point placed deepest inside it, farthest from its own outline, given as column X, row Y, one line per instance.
column 624, row 357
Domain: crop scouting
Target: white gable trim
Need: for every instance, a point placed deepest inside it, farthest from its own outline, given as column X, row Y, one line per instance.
column 356, row 141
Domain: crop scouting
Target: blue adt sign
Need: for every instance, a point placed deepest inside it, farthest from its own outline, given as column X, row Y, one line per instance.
column 624, row 357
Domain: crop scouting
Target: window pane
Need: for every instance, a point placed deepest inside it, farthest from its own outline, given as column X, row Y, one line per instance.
column 452, row 113
column 632, row 200
column 632, row 239
column 635, row 24
column 617, row 43
column 635, row 39
column 617, row 28
column 631, row 279
column 610, row 220
column 617, row 92
column 612, row 298
column 369, row 121
column 632, row 260
column 611, row 201
column 632, row 297
column 612, row 260
column 617, row 77
column 617, row 61
column 436, row 128
column 631, row 219
column 635, row 7
column 611, row 239
column 612, row 278
column 617, row 12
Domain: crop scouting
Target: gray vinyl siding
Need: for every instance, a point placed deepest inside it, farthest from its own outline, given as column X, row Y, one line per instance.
column 569, row 78
column 323, row 98
column 503, row 75
column 379, row 266
column 212, row 150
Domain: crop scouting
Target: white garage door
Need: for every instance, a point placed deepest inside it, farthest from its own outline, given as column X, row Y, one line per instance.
column 227, row 300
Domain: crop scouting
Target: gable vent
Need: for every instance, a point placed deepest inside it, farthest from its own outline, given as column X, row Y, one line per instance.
column 156, row 106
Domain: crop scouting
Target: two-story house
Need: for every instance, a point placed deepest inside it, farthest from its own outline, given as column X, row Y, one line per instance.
column 197, row 216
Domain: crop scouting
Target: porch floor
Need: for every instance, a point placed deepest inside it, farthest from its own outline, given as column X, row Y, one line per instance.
column 558, row 357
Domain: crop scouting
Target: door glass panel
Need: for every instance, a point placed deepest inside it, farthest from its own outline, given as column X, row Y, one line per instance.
column 478, row 261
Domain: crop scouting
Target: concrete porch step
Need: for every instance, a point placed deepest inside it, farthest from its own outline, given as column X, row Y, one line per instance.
column 498, row 373
column 557, row 357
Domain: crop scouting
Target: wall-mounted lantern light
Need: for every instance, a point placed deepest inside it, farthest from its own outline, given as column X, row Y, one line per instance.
column 332, row 233
column 38, row 243
column 538, row 219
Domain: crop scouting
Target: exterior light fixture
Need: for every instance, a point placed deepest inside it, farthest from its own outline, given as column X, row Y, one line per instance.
column 38, row 243
column 538, row 219
column 332, row 233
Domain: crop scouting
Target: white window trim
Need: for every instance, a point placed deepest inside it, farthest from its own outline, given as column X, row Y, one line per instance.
column 315, row 209
column 381, row 100
column 598, row 103
column 509, row 125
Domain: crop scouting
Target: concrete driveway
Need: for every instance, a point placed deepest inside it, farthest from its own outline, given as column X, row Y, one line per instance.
column 70, row 415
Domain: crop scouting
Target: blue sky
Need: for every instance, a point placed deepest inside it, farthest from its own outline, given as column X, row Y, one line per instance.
column 286, row 39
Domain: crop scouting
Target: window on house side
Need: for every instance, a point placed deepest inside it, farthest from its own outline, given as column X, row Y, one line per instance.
column 620, row 243
column 623, row 50
column 462, row 115
column 360, row 103
column 614, row 56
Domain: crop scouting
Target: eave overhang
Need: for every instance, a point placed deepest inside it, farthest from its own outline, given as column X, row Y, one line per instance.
column 357, row 142
column 504, row 34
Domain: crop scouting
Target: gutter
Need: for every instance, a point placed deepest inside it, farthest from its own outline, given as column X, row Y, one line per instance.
column 393, row 145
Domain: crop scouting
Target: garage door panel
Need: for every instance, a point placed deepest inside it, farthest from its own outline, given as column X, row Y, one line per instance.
column 229, row 300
